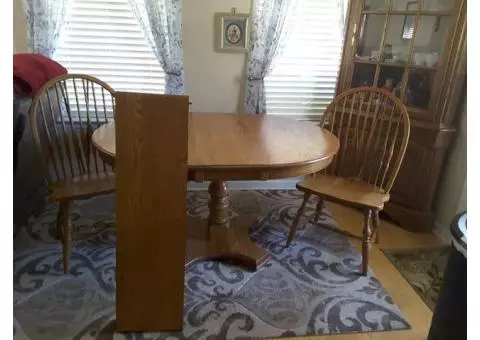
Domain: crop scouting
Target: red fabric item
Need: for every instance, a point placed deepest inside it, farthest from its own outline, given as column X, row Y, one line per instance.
column 31, row 71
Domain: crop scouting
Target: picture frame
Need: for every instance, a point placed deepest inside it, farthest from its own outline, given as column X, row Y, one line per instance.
column 232, row 32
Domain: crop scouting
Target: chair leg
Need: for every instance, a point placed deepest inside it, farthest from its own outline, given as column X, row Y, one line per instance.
column 376, row 226
column 59, row 229
column 66, row 226
column 297, row 218
column 318, row 210
column 367, row 240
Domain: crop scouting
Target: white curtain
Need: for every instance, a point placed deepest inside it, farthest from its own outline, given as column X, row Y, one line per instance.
column 45, row 22
column 270, row 26
column 161, row 21
column 342, row 6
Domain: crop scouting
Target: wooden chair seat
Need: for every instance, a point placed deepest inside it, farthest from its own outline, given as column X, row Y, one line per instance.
column 85, row 186
column 345, row 190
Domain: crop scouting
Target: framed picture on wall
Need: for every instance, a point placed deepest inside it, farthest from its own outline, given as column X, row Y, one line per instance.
column 231, row 32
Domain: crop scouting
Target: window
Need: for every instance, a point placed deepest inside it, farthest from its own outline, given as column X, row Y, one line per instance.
column 104, row 39
column 303, row 79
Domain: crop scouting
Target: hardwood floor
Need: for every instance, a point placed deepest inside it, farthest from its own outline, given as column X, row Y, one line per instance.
column 391, row 236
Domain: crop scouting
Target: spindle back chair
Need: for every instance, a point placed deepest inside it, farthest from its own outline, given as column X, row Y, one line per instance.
column 63, row 116
column 373, row 128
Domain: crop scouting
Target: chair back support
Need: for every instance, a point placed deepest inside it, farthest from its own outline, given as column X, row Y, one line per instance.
column 373, row 128
column 63, row 116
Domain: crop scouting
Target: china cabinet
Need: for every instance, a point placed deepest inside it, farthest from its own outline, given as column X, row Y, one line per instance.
column 417, row 50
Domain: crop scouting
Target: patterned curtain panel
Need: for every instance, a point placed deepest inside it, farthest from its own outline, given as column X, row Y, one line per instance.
column 270, row 26
column 45, row 21
column 161, row 21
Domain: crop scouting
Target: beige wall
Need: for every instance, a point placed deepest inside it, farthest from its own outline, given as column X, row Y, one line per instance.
column 452, row 193
column 214, row 81
column 19, row 28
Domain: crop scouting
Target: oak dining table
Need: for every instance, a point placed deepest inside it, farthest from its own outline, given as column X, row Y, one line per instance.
column 228, row 147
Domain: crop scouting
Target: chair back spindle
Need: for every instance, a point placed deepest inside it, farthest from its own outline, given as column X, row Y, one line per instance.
column 64, row 115
column 373, row 128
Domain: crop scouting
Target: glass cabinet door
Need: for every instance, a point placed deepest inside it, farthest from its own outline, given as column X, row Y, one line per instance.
column 375, row 4
column 438, row 5
column 370, row 41
column 399, row 46
column 405, row 5
column 430, row 39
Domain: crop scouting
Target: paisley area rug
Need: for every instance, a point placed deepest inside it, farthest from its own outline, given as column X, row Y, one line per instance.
column 423, row 268
column 311, row 288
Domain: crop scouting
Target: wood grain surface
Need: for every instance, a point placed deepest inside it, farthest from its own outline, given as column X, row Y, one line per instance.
column 342, row 190
column 151, row 179
column 244, row 147
column 221, row 237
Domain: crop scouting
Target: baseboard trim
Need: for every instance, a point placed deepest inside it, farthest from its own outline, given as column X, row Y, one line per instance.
column 249, row 185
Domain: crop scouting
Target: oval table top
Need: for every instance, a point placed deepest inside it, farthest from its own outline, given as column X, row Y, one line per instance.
column 244, row 147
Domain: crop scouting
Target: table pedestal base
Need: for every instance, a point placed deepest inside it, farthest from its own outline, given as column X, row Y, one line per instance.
column 219, row 238
column 231, row 243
